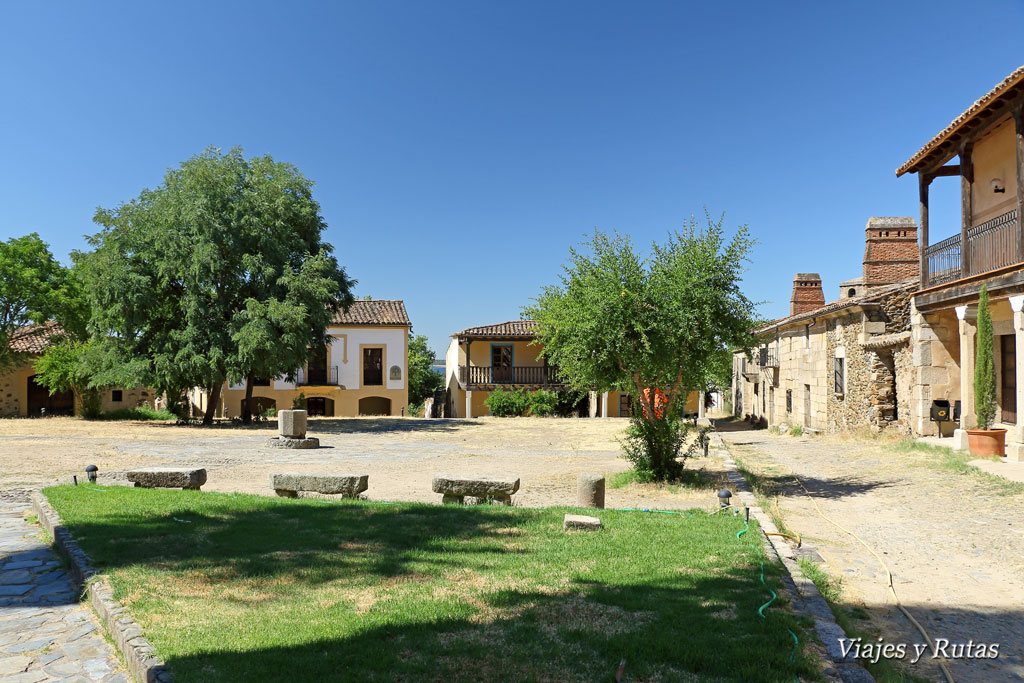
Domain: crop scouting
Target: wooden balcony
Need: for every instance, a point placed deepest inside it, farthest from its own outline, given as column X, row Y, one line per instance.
column 988, row 246
column 488, row 375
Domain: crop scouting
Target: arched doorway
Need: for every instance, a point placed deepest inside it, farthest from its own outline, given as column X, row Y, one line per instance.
column 61, row 403
column 318, row 405
column 261, row 404
column 375, row 405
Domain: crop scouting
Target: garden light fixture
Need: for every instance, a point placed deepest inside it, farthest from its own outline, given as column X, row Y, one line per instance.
column 92, row 472
column 723, row 498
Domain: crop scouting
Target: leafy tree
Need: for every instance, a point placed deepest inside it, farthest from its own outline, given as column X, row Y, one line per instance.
column 219, row 273
column 622, row 321
column 66, row 367
column 423, row 381
column 984, row 366
column 34, row 289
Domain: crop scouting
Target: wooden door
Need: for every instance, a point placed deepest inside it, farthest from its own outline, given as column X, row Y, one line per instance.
column 1008, row 397
column 501, row 363
column 40, row 400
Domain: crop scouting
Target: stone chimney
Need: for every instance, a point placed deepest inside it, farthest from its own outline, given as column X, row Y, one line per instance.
column 891, row 253
column 807, row 293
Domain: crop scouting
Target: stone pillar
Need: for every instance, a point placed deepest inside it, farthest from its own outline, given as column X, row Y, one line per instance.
column 604, row 404
column 469, row 403
column 592, row 404
column 1015, row 438
column 968, row 330
column 700, row 404
column 590, row 490
column 291, row 424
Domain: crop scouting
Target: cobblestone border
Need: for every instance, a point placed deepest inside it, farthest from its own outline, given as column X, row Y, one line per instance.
column 126, row 634
column 806, row 598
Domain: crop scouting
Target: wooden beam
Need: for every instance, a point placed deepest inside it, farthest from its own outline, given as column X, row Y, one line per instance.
column 923, row 182
column 966, row 212
column 948, row 170
column 1018, row 122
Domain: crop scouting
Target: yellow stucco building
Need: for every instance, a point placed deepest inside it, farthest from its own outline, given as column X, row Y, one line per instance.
column 507, row 355
column 362, row 371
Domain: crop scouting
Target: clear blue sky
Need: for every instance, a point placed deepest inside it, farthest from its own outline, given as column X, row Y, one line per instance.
column 459, row 148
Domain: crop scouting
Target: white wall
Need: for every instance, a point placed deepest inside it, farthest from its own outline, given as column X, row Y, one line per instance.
column 451, row 361
column 348, row 373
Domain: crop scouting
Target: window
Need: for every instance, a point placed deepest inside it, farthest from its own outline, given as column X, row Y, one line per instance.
column 755, row 388
column 373, row 367
column 117, row 395
column 840, row 378
column 257, row 382
column 789, row 400
column 502, row 363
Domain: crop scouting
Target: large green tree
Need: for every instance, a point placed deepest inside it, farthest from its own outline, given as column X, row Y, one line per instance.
column 34, row 289
column 423, row 381
column 219, row 273
column 653, row 325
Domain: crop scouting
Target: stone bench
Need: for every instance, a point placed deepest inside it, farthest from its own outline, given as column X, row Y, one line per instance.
column 288, row 485
column 168, row 477
column 454, row 489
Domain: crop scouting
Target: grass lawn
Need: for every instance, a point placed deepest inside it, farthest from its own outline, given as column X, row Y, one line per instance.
column 240, row 588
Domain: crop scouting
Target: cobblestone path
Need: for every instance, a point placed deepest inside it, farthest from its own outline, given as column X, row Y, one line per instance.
column 953, row 541
column 45, row 633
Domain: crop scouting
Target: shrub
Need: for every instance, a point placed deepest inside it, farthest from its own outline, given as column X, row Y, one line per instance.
column 543, row 402
column 143, row 412
column 508, row 403
column 797, row 431
column 299, row 402
column 653, row 446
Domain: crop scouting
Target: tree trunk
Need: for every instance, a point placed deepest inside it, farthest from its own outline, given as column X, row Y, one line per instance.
column 211, row 407
column 247, row 403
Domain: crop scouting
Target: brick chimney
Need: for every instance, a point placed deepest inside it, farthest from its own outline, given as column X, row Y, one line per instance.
column 807, row 293
column 891, row 253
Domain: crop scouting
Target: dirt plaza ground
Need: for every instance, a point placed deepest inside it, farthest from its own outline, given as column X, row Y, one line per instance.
column 401, row 455
column 952, row 540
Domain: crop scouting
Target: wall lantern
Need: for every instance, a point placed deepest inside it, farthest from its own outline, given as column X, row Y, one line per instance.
column 723, row 498
column 92, row 472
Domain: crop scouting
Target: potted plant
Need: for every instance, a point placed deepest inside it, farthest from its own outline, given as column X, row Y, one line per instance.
column 984, row 440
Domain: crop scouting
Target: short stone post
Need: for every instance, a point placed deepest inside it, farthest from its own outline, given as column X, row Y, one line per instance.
column 291, row 424
column 590, row 490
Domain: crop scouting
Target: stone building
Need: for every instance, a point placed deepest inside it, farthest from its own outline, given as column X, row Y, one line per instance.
column 987, row 142
column 22, row 396
column 843, row 365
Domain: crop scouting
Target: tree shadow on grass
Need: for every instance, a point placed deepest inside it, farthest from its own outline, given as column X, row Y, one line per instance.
column 707, row 631
column 458, row 594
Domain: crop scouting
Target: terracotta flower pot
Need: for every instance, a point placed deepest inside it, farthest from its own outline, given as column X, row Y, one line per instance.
column 987, row 442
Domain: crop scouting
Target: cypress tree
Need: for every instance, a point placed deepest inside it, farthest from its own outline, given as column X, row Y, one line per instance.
column 984, row 366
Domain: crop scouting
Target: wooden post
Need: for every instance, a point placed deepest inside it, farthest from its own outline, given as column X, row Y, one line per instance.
column 1018, row 121
column 468, row 342
column 966, row 213
column 923, row 180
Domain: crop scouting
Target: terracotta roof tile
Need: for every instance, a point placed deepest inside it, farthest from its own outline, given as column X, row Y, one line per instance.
column 512, row 328
column 983, row 102
column 373, row 312
column 33, row 339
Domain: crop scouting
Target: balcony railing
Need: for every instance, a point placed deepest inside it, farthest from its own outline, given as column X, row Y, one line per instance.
column 990, row 245
column 321, row 377
column 993, row 244
column 767, row 357
column 488, row 374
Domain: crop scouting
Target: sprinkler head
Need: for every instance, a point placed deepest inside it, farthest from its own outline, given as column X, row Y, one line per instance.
column 92, row 472
column 723, row 497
